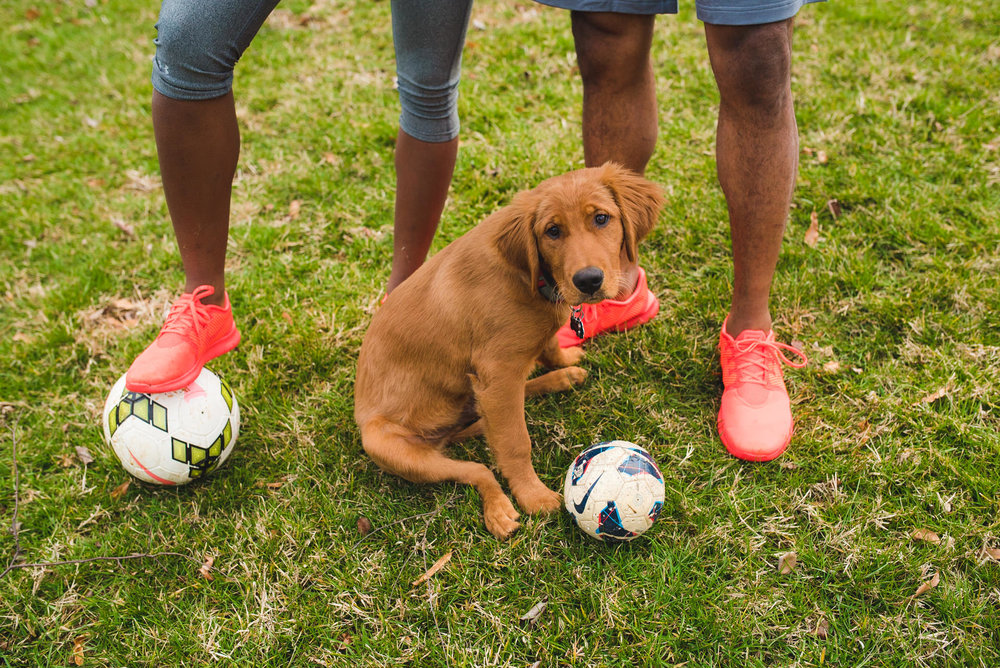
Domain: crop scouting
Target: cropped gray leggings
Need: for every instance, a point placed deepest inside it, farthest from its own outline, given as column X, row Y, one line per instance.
column 199, row 42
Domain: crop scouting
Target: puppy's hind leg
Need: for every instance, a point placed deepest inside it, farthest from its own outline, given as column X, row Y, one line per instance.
column 398, row 451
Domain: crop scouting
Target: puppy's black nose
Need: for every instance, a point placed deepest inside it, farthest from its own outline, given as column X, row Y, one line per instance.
column 588, row 280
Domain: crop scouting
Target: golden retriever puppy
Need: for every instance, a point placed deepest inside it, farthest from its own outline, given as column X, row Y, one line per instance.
column 448, row 353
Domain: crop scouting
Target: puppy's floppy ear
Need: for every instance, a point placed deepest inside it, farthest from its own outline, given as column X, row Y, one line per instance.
column 639, row 201
column 515, row 236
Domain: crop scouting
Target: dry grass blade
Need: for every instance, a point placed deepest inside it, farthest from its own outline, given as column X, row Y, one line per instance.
column 435, row 567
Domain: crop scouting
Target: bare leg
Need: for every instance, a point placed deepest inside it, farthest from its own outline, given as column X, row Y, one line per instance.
column 757, row 155
column 619, row 96
column 423, row 174
column 198, row 143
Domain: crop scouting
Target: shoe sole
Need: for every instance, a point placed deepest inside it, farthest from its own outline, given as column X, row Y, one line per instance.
column 220, row 347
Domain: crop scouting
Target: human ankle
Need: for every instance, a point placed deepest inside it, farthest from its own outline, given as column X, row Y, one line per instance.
column 738, row 322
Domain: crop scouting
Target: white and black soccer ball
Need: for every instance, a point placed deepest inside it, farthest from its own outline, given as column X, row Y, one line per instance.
column 614, row 491
column 172, row 438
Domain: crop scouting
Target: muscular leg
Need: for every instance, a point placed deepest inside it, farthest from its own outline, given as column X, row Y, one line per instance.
column 423, row 174
column 619, row 95
column 198, row 144
column 757, row 155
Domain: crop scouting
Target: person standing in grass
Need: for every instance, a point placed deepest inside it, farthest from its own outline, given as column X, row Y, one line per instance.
column 198, row 142
column 750, row 47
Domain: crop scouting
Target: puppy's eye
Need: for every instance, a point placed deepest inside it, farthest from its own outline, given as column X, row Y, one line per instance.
column 552, row 232
column 601, row 219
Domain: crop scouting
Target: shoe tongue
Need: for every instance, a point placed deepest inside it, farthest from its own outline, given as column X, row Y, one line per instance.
column 752, row 335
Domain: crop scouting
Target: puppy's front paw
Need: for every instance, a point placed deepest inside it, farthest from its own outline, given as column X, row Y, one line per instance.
column 500, row 516
column 575, row 375
column 571, row 355
column 538, row 499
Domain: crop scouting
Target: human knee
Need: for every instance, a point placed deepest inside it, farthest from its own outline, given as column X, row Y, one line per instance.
column 429, row 107
column 753, row 65
column 612, row 48
column 193, row 59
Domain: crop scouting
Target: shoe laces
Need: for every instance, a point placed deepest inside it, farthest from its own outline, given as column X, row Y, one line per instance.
column 751, row 358
column 188, row 312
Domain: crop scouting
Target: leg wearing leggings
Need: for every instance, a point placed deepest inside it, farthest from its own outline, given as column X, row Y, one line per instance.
column 429, row 36
column 194, row 120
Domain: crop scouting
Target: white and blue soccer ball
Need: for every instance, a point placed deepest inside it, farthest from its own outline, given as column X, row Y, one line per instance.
column 614, row 491
column 172, row 438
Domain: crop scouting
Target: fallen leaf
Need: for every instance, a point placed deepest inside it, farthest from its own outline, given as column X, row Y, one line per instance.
column 532, row 616
column 331, row 159
column 927, row 586
column 833, row 366
column 123, row 226
column 293, row 209
column 32, row 13
column 834, row 207
column 119, row 491
column 822, row 629
column 78, row 650
column 865, row 428
column 438, row 565
column 786, row 563
column 364, row 525
column 142, row 182
column 790, row 466
column 812, row 234
column 992, row 552
column 821, row 157
column 206, row 568
column 937, row 394
column 84, row 454
column 925, row 535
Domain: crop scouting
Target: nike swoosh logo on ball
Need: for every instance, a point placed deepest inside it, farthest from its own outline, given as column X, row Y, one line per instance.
column 583, row 503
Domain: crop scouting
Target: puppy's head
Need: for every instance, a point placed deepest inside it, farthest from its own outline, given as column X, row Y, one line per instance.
column 575, row 230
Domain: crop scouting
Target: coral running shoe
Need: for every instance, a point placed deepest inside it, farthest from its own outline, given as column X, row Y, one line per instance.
column 755, row 420
column 613, row 316
column 193, row 334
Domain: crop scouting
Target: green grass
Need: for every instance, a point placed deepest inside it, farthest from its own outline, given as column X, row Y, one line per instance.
column 897, row 301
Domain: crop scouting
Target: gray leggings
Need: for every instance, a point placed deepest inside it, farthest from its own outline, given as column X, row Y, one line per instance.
column 198, row 43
